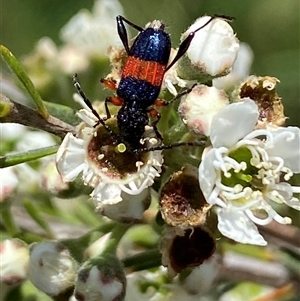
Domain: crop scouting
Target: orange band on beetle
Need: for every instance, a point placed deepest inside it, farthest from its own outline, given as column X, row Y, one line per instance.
column 152, row 72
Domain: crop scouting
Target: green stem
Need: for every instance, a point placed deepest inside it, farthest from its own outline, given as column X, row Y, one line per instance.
column 145, row 260
column 19, row 71
column 29, row 237
column 115, row 236
column 78, row 245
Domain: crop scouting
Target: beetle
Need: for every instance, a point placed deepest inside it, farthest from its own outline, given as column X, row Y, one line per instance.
column 141, row 79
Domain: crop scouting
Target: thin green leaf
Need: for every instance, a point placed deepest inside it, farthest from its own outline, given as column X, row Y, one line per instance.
column 14, row 159
column 33, row 211
column 8, row 221
column 63, row 113
column 19, row 71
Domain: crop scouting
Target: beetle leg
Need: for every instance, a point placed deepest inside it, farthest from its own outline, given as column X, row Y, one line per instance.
column 109, row 83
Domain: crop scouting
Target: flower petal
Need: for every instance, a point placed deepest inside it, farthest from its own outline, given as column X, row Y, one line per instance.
column 293, row 203
column 233, row 122
column 70, row 157
column 237, row 226
column 207, row 173
column 107, row 193
column 286, row 145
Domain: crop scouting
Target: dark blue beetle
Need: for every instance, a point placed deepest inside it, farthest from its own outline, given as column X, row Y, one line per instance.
column 141, row 79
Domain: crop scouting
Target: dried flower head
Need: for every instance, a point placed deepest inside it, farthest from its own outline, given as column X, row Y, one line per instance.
column 263, row 91
column 185, row 248
column 182, row 203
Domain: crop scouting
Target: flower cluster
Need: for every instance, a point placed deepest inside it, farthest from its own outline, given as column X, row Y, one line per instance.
column 246, row 167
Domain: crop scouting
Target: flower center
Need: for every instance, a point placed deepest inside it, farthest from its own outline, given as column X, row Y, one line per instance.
column 103, row 153
column 243, row 172
column 248, row 174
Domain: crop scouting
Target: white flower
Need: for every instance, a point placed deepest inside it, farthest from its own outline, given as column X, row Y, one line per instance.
column 87, row 36
column 111, row 173
column 246, row 169
column 51, row 268
column 93, row 33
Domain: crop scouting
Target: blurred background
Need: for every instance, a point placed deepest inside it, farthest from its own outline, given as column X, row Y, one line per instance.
column 270, row 27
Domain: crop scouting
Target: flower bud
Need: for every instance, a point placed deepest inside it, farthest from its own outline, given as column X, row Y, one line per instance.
column 11, row 131
column 33, row 140
column 14, row 255
column 240, row 69
column 199, row 107
column 51, row 268
column 101, row 278
column 212, row 51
